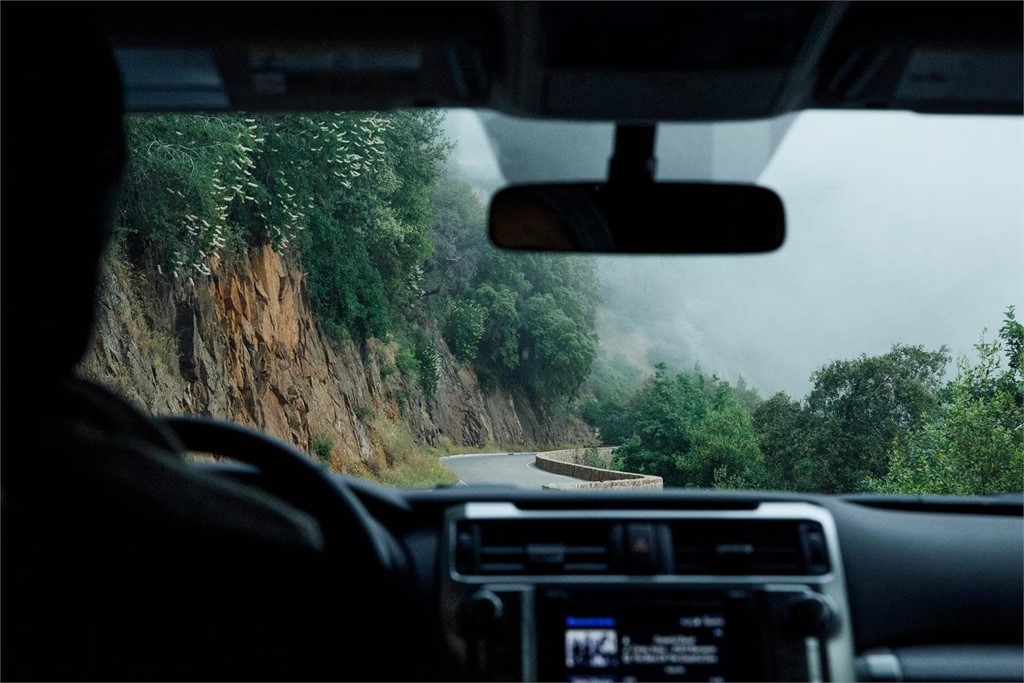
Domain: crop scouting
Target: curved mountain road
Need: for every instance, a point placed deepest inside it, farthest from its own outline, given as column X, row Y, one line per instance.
column 516, row 469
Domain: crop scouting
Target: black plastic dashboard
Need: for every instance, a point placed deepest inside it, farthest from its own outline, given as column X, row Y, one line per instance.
column 702, row 585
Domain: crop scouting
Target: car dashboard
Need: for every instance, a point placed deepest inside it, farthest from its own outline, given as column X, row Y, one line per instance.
column 704, row 585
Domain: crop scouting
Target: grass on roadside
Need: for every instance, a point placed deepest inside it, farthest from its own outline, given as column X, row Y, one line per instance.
column 422, row 470
column 402, row 463
column 405, row 463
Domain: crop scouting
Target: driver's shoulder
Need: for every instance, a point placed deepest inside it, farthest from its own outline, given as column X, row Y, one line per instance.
column 101, row 461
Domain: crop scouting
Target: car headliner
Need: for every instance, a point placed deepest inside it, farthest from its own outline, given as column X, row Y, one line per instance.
column 604, row 61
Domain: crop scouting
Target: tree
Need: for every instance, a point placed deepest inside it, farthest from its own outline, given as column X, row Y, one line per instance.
column 975, row 443
column 464, row 325
column 539, row 331
column 370, row 201
column 725, row 450
column 556, row 349
column 861, row 406
column 692, row 431
column 664, row 413
column 790, row 443
column 459, row 237
column 612, row 383
column 499, row 345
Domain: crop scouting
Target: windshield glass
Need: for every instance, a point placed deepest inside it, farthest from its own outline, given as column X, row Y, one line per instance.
column 327, row 278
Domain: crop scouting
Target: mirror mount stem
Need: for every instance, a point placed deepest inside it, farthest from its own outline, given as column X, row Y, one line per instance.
column 633, row 161
column 630, row 176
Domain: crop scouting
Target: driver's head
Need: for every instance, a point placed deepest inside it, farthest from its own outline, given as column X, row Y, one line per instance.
column 63, row 155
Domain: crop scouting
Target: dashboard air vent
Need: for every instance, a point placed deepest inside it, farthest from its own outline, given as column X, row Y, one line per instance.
column 534, row 547
column 749, row 547
column 694, row 547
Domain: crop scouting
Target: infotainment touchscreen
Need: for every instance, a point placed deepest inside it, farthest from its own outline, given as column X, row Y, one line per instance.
column 603, row 637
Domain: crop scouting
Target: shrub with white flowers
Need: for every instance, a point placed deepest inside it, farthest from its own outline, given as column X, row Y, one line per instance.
column 347, row 192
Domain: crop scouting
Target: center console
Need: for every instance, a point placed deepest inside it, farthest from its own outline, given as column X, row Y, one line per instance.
column 631, row 595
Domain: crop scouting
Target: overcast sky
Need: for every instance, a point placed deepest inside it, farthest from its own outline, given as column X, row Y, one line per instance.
column 900, row 228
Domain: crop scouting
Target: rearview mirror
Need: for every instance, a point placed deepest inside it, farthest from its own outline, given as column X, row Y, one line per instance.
column 662, row 218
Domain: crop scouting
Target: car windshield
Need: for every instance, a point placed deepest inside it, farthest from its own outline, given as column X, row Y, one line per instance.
column 327, row 278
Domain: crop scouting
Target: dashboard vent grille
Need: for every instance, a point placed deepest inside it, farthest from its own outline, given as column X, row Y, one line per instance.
column 695, row 547
column 533, row 547
column 749, row 547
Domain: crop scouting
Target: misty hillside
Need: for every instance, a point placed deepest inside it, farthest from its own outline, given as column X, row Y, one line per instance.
column 898, row 231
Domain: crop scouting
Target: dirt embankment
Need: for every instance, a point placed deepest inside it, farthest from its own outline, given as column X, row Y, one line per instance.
column 242, row 345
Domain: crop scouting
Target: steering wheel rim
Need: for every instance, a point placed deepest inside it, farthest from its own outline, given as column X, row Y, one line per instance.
column 347, row 528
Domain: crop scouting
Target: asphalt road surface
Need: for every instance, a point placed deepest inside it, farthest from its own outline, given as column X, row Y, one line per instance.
column 502, row 468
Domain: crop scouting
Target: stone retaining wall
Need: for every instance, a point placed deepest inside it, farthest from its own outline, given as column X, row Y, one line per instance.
column 568, row 463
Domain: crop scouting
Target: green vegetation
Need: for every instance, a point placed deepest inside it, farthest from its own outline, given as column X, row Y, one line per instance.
column 323, row 447
column 360, row 200
column 422, row 471
column 349, row 194
column 524, row 321
column 188, row 182
column 589, row 456
column 885, row 423
column 690, row 430
column 368, row 231
column 860, row 406
column 426, row 363
column 533, row 322
column 464, row 325
column 406, row 464
column 610, row 389
column 394, row 249
column 975, row 443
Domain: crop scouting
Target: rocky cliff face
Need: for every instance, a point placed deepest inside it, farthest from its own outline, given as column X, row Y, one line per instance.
column 243, row 346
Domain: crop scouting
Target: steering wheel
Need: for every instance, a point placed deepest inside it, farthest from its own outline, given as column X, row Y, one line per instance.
column 350, row 533
column 364, row 559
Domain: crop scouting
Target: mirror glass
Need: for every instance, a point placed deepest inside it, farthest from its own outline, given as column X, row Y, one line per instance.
column 661, row 218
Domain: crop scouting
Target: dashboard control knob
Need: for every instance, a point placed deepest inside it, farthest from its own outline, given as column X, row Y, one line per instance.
column 812, row 615
column 482, row 610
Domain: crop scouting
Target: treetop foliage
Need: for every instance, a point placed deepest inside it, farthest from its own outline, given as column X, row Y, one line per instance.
column 887, row 423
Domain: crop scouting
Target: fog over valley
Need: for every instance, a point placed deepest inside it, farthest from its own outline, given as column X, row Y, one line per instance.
column 901, row 228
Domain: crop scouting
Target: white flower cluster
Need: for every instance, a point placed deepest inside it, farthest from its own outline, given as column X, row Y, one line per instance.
column 290, row 217
column 358, row 148
column 351, row 151
column 415, row 277
column 232, row 181
column 207, row 241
